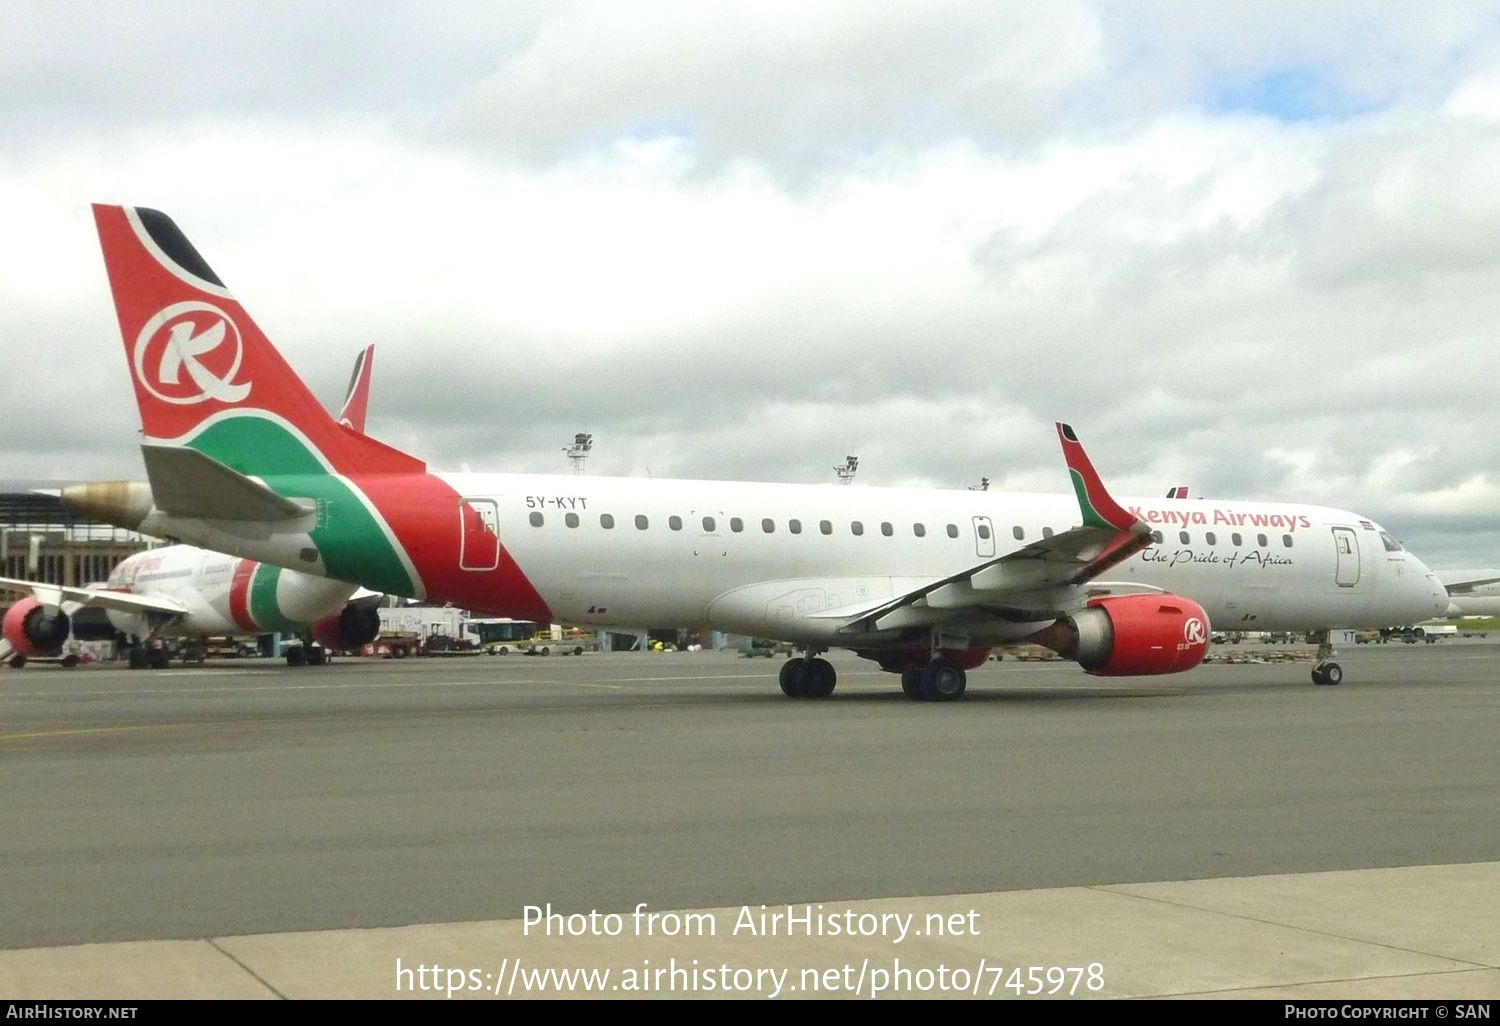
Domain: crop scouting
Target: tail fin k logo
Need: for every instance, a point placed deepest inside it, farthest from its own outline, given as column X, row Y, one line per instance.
column 196, row 339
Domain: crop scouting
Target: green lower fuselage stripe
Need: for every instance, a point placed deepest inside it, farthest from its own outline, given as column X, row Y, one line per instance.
column 352, row 543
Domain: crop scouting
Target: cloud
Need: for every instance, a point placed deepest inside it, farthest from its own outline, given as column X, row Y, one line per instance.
column 745, row 240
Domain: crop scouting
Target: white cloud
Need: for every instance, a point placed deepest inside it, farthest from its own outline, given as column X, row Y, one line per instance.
column 746, row 240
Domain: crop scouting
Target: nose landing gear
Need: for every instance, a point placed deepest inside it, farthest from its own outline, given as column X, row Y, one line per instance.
column 1326, row 672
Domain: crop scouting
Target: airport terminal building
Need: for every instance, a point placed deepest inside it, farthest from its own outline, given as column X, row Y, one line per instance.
column 41, row 540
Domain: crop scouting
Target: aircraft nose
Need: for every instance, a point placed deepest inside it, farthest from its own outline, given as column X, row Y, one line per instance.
column 1431, row 590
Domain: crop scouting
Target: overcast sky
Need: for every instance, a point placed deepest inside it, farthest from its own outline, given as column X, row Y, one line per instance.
column 1250, row 247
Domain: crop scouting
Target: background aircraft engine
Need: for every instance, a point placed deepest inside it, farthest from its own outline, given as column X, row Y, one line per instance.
column 1138, row 635
column 350, row 627
column 32, row 631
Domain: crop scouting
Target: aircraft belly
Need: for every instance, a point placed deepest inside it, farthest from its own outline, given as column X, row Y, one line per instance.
column 793, row 609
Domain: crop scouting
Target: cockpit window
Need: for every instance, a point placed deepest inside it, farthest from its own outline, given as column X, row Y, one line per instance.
column 1391, row 544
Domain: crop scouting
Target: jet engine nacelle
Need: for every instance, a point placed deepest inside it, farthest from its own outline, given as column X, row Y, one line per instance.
column 350, row 627
column 1139, row 635
column 32, row 631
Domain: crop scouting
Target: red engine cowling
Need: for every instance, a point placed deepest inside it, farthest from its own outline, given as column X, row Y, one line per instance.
column 32, row 631
column 1138, row 635
column 350, row 627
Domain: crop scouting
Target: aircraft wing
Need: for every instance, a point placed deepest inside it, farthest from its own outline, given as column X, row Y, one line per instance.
column 69, row 599
column 1462, row 582
column 1040, row 581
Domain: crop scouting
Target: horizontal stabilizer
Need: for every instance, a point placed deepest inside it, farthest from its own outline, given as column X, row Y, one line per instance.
column 185, row 483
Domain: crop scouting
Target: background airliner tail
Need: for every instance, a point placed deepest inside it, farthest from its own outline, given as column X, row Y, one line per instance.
column 205, row 375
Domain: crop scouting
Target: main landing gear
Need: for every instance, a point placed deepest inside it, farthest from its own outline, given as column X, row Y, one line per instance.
column 808, row 677
column 1326, row 672
column 935, row 681
column 151, row 654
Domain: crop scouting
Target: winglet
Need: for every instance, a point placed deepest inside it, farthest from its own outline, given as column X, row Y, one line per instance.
column 1098, row 506
column 357, row 402
column 1179, row 492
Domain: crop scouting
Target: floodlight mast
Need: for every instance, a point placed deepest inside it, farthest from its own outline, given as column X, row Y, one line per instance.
column 578, row 452
column 846, row 472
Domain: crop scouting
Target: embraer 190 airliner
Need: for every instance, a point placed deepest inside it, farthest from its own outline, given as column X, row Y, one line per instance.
column 241, row 458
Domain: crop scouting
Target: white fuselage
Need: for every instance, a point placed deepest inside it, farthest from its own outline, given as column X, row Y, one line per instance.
column 798, row 561
column 770, row 558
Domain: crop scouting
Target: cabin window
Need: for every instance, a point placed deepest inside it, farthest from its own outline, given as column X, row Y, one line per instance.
column 674, row 522
column 1156, row 537
column 857, row 527
column 1182, row 536
column 1047, row 532
column 826, row 526
column 607, row 521
column 768, row 525
column 536, row 519
column 710, row 525
column 641, row 522
column 571, row 519
column 983, row 530
column 1018, row 533
column 952, row 530
column 920, row 530
column 1210, row 538
column 886, row 529
column 1234, row 539
column 1260, row 540
column 795, row 526
column 736, row 524
column 1286, row 541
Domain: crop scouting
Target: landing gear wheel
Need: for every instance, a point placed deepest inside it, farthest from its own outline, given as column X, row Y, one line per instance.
column 136, row 660
column 911, row 683
column 793, row 678
column 296, row 656
column 818, row 678
column 157, row 658
column 941, row 681
column 16, row 661
column 1328, row 674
